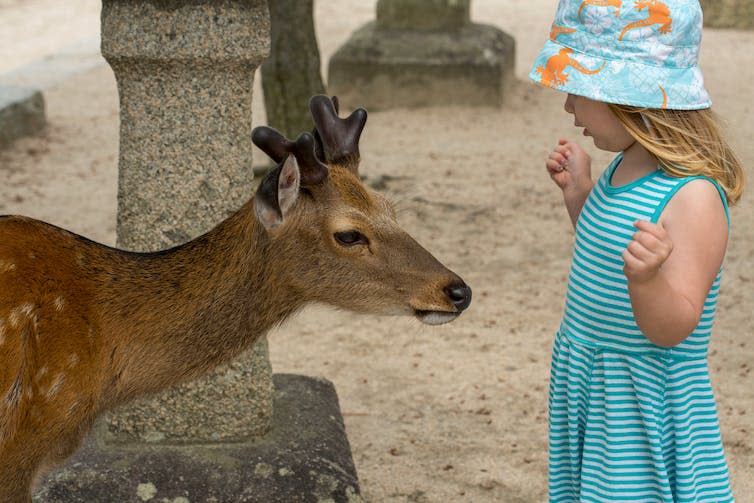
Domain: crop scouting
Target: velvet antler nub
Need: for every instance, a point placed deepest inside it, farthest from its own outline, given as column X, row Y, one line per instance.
column 339, row 137
column 272, row 143
column 278, row 147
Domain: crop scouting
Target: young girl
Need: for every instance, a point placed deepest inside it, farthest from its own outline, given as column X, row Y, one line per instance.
column 632, row 414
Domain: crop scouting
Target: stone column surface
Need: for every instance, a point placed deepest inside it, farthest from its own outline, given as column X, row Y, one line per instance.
column 737, row 14
column 185, row 73
column 423, row 53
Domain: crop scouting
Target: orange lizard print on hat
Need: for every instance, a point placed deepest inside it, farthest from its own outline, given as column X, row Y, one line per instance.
column 553, row 73
column 664, row 97
column 559, row 30
column 622, row 50
column 659, row 13
column 602, row 3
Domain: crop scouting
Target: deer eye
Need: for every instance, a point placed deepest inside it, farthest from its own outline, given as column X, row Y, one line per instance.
column 350, row 238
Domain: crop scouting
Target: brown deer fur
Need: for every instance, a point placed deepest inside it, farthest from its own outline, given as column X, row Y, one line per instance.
column 84, row 327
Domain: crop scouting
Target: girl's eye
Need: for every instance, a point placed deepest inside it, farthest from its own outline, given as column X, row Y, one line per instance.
column 350, row 238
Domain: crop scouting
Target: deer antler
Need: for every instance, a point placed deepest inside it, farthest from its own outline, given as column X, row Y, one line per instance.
column 339, row 138
column 278, row 147
column 318, row 148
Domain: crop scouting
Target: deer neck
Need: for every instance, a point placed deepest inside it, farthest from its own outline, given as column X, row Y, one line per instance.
column 181, row 312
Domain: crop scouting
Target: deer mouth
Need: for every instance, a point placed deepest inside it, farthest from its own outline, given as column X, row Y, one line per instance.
column 435, row 317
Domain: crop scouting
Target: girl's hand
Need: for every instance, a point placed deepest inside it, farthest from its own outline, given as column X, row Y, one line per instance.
column 570, row 167
column 650, row 248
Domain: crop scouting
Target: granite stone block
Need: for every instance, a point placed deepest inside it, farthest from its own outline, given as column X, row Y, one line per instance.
column 381, row 69
column 738, row 14
column 305, row 457
column 423, row 15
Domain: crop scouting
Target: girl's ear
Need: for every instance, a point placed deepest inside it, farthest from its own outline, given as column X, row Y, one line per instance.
column 277, row 193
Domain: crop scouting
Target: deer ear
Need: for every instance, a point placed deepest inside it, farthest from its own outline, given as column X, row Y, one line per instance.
column 289, row 183
column 277, row 193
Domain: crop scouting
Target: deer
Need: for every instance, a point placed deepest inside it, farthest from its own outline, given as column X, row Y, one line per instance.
column 85, row 327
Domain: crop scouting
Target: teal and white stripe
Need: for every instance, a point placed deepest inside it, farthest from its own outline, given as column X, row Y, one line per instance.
column 629, row 420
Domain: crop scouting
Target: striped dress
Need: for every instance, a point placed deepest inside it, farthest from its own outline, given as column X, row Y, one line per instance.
column 629, row 420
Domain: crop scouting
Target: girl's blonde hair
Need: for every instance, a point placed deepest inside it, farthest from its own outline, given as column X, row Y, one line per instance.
column 686, row 143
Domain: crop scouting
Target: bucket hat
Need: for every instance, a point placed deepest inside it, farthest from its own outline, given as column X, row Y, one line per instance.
column 642, row 53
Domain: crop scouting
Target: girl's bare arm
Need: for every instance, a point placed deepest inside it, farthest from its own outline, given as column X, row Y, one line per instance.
column 671, row 265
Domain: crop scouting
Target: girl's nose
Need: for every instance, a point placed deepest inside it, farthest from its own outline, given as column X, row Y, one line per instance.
column 568, row 105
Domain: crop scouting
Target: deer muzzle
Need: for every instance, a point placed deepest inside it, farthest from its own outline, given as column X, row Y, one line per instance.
column 458, row 297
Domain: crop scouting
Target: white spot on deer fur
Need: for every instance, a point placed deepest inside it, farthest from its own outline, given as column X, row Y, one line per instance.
column 17, row 312
column 146, row 491
column 55, row 386
column 59, row 302
column 41, row 373
column 6, row 266
column 73, row 360
column 27, row 309
column 14, row 318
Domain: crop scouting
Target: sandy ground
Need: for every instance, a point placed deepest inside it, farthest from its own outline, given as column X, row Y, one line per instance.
column 453, row 413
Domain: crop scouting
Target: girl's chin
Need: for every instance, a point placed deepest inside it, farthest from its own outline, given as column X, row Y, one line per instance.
column 599, row 144
column 606, row 148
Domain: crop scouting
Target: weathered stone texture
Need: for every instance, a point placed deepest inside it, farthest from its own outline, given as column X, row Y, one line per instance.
column 421, row 15
column 728, row 13
column 22, row 104
column 304, row 458
column 22, row 112
column 420, row 54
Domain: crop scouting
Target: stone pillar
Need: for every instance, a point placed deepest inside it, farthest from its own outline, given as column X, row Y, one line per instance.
column 185, row 73
column 737, row 14
column 423, row 53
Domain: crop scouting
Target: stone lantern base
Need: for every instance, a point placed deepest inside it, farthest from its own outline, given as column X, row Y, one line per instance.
column 382, row 68
column 304, row 457
column 738, row 14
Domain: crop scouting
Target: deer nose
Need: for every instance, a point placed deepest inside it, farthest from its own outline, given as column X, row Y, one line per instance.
column 459, row 295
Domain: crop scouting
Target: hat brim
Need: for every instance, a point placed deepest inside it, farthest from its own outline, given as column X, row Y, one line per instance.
column 620, row 82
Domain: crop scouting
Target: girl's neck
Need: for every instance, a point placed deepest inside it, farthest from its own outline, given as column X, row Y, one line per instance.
column 637, row 161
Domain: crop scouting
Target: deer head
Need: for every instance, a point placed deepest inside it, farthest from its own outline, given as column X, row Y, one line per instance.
column 355, row 255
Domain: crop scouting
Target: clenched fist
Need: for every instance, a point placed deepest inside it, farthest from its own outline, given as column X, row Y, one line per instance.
column 570, row 167
column 648, row 250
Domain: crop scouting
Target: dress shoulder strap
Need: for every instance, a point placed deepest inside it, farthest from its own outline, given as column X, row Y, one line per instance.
column 680, row 183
